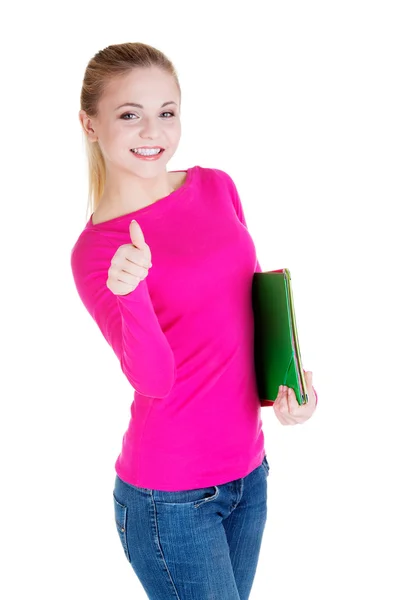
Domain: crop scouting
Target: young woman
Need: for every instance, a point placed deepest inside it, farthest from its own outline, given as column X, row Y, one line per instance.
column 165, row 266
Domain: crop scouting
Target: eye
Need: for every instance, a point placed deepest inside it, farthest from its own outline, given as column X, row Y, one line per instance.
column 128, row 114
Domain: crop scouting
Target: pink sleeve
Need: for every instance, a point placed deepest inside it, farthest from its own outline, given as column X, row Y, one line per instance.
column 239, row 210
column 240, row 213
column 128, row 323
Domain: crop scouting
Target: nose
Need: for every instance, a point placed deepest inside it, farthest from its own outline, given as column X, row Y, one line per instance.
column 150, row 128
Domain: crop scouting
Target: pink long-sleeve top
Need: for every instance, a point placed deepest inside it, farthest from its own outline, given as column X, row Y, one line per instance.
column 184, row 336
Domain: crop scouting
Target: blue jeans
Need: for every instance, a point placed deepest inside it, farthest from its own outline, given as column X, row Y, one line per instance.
column 200, row 544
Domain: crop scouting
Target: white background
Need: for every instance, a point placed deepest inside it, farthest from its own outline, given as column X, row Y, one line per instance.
column 299, row 103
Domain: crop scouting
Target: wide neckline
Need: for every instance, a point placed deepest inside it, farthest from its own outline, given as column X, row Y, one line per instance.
column 190, row 172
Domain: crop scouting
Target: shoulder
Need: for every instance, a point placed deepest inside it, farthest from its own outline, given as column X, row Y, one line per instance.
column 91, row 252
column 216, row 176
column 90, row 240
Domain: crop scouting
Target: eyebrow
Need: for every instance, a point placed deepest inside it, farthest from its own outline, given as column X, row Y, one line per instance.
column 140, row 105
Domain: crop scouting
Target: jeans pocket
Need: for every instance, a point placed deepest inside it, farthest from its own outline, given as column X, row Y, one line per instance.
column 265, row 465
column 120, row 511
column 195, row 497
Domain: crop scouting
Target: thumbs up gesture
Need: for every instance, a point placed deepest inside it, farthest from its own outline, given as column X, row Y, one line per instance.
column 130, row 264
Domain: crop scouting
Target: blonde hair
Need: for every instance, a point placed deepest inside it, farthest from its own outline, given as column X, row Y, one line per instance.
column 114, row 61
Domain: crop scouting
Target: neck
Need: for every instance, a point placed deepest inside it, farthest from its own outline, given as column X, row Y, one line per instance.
column 129, row 193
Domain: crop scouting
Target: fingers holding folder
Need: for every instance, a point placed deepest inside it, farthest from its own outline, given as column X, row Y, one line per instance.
column 287, row 409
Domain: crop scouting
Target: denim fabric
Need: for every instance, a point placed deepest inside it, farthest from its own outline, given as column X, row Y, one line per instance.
column 200, row 544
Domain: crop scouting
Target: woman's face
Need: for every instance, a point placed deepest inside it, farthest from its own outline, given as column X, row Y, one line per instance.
column 119, row 128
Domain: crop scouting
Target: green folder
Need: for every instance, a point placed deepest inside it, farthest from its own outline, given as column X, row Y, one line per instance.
column 276, row 343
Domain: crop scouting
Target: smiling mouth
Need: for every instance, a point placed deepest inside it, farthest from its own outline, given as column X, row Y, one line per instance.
column 152, row 153
column 148, row 156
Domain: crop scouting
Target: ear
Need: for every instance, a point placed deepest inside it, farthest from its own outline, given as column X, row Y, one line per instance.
column 87, row 126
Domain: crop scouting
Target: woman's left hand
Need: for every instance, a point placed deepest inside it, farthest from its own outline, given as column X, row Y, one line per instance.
column 287, row 409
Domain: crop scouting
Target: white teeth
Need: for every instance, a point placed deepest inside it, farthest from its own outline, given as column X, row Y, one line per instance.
column 146, row 152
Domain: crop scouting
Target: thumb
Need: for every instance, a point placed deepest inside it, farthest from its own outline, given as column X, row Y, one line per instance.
column 137, row 237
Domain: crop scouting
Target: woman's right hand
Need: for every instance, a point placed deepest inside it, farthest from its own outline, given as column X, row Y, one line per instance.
column 130, row 264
